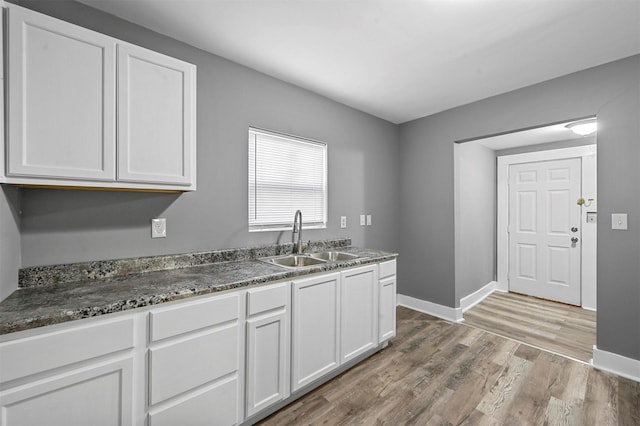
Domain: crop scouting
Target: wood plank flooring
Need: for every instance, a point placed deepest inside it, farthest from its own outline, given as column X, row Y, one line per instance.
column 435, row 372
column 563, row 329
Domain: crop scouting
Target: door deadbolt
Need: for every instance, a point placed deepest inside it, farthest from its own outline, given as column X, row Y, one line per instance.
column 574, row 229
column 574, row 240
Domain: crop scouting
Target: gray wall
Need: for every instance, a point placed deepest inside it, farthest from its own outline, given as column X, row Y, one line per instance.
column 427, row 238
column 9, row 239
column 68, row 226
column 475, row 217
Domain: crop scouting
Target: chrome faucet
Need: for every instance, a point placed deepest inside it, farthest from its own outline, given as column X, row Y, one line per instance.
column 297, row 219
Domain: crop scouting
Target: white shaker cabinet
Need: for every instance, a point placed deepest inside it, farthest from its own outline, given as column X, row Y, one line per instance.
column 196, row 362
column 156, row 103
column 315, row 328
column 61, row 99
column 86, row 377
column 387, row 316
column 268, row 347
column 70, row 88
column 359, row 311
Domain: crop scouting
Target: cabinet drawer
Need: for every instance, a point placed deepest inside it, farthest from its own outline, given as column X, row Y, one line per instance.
column 192, row 316
column 267, row 298
column 387, row 269
column 44, row 352
column 218, row 405
column 184, row 365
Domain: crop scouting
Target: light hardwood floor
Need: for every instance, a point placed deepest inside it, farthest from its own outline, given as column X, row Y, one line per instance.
column 435, row 372
column 563, row 329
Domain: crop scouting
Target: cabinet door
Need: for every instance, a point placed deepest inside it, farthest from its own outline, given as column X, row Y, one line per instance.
column 97, row 395
column 266, row 361
column 387, row 315
column 315, row 328
column 359, row 311
column 156, row 117
column 61, row 92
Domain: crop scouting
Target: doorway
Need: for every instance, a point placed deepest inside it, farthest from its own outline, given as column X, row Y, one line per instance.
column 481, row 187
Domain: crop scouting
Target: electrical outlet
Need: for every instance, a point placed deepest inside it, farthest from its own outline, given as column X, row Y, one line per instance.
column 368, row 220
column 159, row 228
column 362, row 220
column 343, row 221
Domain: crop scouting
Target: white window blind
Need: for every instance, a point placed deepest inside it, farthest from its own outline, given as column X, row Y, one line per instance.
column 286, row 173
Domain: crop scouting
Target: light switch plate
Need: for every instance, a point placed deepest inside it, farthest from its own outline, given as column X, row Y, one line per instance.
column 362, row 222
column 619, row 221
column 343, row 221
column 368, row 220
column 159, row 228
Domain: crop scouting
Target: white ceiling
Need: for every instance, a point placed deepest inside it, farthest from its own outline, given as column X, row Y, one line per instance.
column 400, row 59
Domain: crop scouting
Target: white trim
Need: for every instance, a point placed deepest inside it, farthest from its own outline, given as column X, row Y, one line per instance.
column 426, row 307
column 588, row 154
column 478, row 296
column 628, row 368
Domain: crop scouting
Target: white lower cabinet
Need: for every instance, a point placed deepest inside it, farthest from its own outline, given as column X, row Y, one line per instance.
column 98, row 395
column 219, row 359
column 387, row 304
column 315, row 345
column 81, row 375
column 196, row 362
column 358, row 311
column 268, row 367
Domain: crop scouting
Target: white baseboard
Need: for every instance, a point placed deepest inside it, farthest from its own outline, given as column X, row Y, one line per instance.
column 424, row 306
column 617, row 364
column 478, row 296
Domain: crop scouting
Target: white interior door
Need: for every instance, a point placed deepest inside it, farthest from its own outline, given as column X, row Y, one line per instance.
column 544, row 229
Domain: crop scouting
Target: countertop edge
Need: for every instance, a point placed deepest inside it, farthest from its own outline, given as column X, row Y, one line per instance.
column 116, row 306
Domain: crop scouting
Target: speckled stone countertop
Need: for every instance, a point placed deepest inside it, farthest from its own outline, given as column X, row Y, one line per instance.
column 41, row 305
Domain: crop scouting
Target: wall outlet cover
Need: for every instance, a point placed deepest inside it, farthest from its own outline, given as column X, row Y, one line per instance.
column 159, row 228
column 343, row 221
column 619, row 221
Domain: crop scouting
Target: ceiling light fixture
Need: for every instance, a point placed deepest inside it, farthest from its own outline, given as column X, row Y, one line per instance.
column 583, row 127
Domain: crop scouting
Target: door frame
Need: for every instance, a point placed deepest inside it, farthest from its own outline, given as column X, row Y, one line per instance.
column 588, row 154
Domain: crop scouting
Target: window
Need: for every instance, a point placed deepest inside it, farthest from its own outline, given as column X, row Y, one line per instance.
column 286, row 173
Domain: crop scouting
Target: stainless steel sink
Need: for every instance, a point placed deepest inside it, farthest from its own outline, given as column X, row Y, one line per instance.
column 294, row 261
column 333, row 256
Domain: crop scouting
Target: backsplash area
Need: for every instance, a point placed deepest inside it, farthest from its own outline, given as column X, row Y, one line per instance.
column 56, row 274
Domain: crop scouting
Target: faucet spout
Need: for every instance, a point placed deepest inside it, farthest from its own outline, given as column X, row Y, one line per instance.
column 297, row 220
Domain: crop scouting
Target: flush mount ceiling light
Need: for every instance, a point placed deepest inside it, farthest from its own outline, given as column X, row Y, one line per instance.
column 583, row 127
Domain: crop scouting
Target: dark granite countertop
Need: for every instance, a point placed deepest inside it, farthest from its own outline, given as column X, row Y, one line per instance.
column 38, row 306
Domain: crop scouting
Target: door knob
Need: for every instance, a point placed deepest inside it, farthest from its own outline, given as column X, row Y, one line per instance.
column 574, row 240
column 574, row 229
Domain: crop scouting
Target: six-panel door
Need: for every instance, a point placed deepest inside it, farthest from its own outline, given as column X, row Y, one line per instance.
column 544, row 249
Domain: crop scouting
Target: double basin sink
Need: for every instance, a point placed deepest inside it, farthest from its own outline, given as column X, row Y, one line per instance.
column 311, row 259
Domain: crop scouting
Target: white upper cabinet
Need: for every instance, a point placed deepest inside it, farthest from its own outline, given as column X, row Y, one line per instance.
column 60, row 98
column 87, row 110
column 155, row 111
